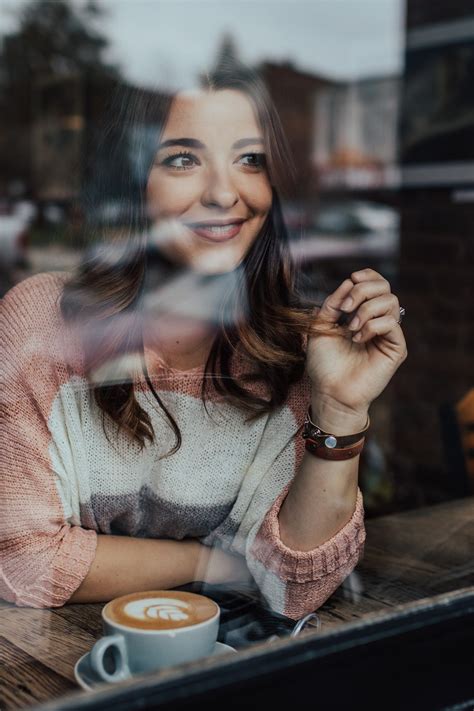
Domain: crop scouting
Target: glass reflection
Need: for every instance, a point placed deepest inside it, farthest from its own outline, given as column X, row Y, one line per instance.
column 185, row 229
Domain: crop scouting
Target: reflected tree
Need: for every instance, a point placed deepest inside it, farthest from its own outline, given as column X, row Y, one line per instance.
column 52, row 39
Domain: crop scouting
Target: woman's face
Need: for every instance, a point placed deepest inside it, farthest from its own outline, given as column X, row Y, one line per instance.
column 208, row 192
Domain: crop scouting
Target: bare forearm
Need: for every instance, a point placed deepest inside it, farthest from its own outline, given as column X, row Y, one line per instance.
column 322, row 496
column 124, row 565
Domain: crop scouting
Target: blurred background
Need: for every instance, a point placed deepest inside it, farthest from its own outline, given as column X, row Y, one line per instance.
column 377, row 100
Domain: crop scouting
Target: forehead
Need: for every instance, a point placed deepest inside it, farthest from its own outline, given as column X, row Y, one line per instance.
column 225, row 114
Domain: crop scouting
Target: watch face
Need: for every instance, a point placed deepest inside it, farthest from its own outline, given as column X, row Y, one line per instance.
column 330, row 442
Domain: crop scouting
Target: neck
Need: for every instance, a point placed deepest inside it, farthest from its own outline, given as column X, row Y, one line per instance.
column 181, row 343
column 182, row 316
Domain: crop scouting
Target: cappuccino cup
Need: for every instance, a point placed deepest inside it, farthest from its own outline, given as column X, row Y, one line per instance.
column 152, row 630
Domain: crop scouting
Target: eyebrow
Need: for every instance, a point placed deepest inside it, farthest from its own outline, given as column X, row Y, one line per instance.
column 194, row 143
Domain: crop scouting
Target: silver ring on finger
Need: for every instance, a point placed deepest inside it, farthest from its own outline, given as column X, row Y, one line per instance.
column 402, row 314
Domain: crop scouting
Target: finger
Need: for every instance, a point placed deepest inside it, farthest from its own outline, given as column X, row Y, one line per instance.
column 366, row 275
column 331, row 309
column 386, row 305
column 363, row 291
column 385, row 326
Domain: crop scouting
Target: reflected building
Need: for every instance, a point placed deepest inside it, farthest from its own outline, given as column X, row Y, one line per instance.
column 356, row 134
column 296, row 94
column 58, row 135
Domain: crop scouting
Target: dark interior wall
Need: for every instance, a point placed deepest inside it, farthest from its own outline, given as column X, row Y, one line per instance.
column 430, row 12
column 437, row 289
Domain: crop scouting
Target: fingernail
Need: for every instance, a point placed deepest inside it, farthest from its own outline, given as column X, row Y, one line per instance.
column 357, row 336
column 346, row 304
column 354, row 324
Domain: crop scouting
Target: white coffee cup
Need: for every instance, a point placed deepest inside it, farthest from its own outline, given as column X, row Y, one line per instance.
column 152, row 630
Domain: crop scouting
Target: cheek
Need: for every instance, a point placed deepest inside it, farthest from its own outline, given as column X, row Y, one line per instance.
column 258, row 195
column 168, row 197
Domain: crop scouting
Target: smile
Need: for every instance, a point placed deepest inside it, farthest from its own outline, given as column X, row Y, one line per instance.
column 217, row 232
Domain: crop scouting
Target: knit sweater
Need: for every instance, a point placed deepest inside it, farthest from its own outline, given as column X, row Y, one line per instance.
column 63, row 481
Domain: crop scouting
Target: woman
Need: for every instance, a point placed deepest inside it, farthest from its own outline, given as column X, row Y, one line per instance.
column 154, row 403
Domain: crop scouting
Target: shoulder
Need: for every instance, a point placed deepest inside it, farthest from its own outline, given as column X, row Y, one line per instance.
column 36, row 299
column 31, row 322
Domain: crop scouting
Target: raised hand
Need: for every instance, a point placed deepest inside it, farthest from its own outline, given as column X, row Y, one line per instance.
column 350, row 366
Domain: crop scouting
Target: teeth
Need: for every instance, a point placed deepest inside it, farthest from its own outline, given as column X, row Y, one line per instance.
column 218, row 229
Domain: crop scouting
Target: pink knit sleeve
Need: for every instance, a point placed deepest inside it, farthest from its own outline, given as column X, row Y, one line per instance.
column 293, row 582
column 309, row 577
column 43, row 558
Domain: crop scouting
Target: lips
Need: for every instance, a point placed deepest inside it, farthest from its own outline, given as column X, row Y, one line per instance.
column 217, row 230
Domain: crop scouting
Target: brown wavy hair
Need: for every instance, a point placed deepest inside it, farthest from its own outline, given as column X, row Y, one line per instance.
column 107, row 291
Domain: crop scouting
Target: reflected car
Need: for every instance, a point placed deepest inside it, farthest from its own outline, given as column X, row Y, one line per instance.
column 355, row 218
column 350, row 229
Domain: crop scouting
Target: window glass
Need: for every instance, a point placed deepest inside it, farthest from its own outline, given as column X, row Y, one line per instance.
column 236, row 326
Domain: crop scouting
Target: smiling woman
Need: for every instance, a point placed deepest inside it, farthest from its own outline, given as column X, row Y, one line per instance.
column 188, row 327
column 216, row 189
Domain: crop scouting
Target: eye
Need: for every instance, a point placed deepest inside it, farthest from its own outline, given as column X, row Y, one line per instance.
column 180, row 161
column 253, row 160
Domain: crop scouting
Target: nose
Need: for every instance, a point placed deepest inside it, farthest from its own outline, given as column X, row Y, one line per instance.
column 219, row 190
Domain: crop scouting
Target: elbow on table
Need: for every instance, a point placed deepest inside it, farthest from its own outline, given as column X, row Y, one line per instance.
column 304, row 598
column 46, row 574
column 296, row 583
column 32, row 593
column 298, row 591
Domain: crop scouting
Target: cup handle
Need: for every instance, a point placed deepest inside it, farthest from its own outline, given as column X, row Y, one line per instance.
column 117, row 642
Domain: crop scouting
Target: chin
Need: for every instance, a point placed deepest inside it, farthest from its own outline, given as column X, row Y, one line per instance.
column 221, row 260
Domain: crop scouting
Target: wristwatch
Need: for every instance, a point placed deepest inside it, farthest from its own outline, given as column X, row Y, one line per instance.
column 319, row 438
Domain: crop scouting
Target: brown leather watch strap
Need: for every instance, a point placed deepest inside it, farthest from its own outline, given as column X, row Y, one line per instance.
column 334, row 454
column 327, row 439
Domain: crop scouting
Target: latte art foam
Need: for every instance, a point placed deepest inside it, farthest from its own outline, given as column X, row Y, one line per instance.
column 160, row 609
column 163, row 608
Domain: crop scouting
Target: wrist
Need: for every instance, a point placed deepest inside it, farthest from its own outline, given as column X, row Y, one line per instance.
column 335, row 417
column 199, row 559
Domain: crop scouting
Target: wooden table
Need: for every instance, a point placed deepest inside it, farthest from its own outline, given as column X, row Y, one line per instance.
column 408, row 556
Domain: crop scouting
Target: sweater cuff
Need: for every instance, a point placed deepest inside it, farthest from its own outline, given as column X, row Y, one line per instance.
column 307, row 566
column 65, row 573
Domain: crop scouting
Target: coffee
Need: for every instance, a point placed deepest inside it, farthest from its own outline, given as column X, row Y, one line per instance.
column 152, row 630
column 160, row 610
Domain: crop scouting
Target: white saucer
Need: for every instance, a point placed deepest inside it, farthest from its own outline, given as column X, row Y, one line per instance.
column 89, row 679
